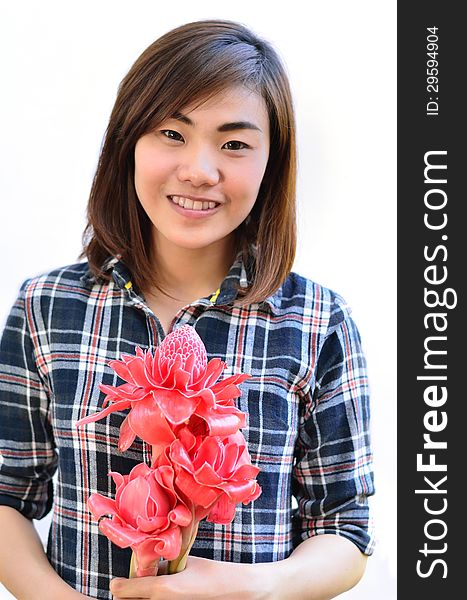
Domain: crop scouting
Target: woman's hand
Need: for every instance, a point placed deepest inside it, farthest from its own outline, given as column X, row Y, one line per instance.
column 74, row 595
column 320, row 568
column 202, row 579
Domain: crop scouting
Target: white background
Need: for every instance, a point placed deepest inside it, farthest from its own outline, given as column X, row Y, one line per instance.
column 61, row 63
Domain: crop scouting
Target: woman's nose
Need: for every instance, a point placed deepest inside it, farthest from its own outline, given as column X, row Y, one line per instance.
column 199, row 168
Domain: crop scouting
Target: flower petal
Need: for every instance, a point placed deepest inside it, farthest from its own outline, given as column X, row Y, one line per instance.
column 176, row 407
column 239, row 491
column 205, row 396
column 134, row 500
column 181, row 379
column 255, row 493
column 199, row 494
column 245, row 472
column 140, row 470
column 122, row 370
column 233, row 379
column 168, row 368
column 126, row 391
column 141, row 353
column 101, row 505
column 213, row 371
column 169, row 542
column 179, row 456
column 147, row 559
column 127, row 435
column 153, row 524
column 222, row 512
column 164, row 475
column 222, row 420
column 156, row 372
column 186, row 437
column 148, row 422
column 161, row 499
column 180, row 515
column 122, row 405
column 211, row 451
column 119, row 534
column 206, row 475
column 226, row 392
column 229, row 464
column 137, row 371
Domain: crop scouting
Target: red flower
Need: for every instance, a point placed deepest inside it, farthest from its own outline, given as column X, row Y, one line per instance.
column 214, row 473
column 165, row 390
column 146, row 515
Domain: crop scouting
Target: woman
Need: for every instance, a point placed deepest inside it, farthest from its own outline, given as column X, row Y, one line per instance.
column 191, row 219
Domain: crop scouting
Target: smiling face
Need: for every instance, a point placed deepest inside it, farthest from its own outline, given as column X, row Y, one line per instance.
column 197, row 175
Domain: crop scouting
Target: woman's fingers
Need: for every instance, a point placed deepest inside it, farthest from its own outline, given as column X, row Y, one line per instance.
column 136, row 588
column 143, row 587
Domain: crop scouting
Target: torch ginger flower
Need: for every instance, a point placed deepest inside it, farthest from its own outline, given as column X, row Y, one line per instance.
column 200, row 463
column 165, row 390
column 214, row 473
column 146, row 515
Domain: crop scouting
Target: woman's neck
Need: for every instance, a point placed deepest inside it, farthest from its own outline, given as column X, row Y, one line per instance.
column 189, row 274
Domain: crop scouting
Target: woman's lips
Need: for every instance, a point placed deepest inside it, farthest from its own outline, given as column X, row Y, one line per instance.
column 195, row 214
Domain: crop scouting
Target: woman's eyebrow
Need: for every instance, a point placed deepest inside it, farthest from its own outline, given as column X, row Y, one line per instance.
column 235, row 125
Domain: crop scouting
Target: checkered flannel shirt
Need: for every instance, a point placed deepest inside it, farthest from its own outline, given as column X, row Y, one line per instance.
column 306, row 400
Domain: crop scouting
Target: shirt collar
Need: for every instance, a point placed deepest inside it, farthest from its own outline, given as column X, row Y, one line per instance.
column 239, row 275
column 120, row 273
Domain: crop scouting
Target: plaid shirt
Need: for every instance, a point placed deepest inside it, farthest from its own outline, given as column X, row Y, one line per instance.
column 306, row 400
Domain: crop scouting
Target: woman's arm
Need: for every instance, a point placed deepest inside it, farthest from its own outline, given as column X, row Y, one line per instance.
column 27, row 466
column 320, row 568
column 24, row 568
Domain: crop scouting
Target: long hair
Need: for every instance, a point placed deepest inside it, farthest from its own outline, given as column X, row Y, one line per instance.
column 193, row 63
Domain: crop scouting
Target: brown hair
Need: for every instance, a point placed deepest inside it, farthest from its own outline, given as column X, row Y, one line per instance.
column 195, row 62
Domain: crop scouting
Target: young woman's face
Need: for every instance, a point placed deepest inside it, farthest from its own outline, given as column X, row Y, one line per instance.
column 197, row 175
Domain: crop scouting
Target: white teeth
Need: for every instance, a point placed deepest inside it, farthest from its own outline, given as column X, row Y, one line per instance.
column 193, row 205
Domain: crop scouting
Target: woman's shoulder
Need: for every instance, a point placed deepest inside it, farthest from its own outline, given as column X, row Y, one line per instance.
column 56, row 295
column 70, row 278
column 313, row 300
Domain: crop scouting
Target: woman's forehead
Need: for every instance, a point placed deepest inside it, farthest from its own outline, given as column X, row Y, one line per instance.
column 231, row 97
column 236, row 100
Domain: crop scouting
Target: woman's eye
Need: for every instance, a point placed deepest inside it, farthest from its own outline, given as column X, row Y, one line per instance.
column 236, row 145
column 172, row 135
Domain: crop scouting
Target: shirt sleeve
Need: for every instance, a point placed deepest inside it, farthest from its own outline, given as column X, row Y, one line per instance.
column 28, row 458
column 333, row 476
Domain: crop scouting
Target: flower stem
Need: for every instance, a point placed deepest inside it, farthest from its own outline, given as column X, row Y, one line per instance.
column 133, row 565
column 177, row 565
